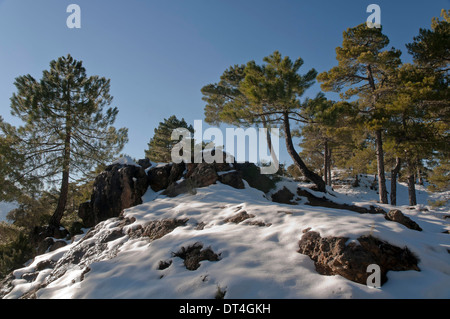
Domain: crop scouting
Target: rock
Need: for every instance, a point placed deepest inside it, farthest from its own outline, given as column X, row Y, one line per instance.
column 158, row 177
column 283, row 196
column 232, row 178
column 182, row 187
column 161, row 177
column 203, row 175
column 43, row 238
column 397, row 216
column 158, row 228
column 117, row 188
column 192, row 255
column 57, row 244
column 324, row 202
column 144, row 163
column 252, row 174
column 332, row 256
column 239, row 217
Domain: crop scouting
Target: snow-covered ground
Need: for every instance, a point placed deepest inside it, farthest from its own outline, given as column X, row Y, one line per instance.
column 255, row 261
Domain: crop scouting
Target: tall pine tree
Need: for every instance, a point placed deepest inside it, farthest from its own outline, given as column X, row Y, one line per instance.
column 363, row 68
column 267, row 95
column 67, row 128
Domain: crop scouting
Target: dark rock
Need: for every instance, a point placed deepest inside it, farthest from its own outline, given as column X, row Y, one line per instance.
column 203, row 175
column 239, row 217
column 397, row 216
column 200, row 226
column 180, row 187
column 158, row 177
column 252, row 174
column 45, row 264
column 283, row 196
column 325, row 202
column 332, row 256
column 192, row 255
column 163, row 264
column 158, row 228
column 144, row 163
column 232, row 178
column 117, row 188
column 57, row 244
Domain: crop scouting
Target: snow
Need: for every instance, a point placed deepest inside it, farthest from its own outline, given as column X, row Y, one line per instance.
column 255, row 262
column 125, row 160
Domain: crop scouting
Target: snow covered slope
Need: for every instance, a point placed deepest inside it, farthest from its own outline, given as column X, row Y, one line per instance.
column 257, row 257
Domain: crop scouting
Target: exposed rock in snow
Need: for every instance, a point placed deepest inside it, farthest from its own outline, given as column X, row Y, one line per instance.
column 140, row 253
column 332, row 256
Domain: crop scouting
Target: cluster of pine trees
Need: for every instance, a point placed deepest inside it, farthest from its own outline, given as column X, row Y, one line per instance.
column 391, row 117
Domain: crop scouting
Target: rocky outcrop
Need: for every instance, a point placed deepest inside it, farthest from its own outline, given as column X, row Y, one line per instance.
column 332, row 256
column 115, row 189
column 122, row 185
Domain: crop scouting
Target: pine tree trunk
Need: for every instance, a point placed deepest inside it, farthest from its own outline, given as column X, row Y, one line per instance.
column 394, row 174
column 313, row 177
column 62, row 201
column 55, row 220
column 380, row 161
column 419, row 175
column 412, row 190
column 356, row 181
column 329, row 166
column 273, row 155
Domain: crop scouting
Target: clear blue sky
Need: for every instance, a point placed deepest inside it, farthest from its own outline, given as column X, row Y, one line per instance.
column 158, row 54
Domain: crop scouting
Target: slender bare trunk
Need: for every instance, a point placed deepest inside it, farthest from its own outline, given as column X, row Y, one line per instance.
column 313, row 177
column 380, row 163
column 64, row 191
column 273, row 155
column 325, row 163
column 412, row 190
column 329, row 166
column 394, row 174
column 55, row 220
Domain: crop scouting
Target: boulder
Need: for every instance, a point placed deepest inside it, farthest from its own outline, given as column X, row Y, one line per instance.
column 232, row 178
column 158, row 177
column 397, row 216
column 117, row 188
column 332, row 256
column 252, row 174
column 283, row 196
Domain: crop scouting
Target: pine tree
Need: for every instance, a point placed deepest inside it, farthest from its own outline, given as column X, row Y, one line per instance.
column 66, row 130
column 11, row 162
column 431, row 48
column 418, row 131
column 266, row 95
column 363, row 67
column 161, row 144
